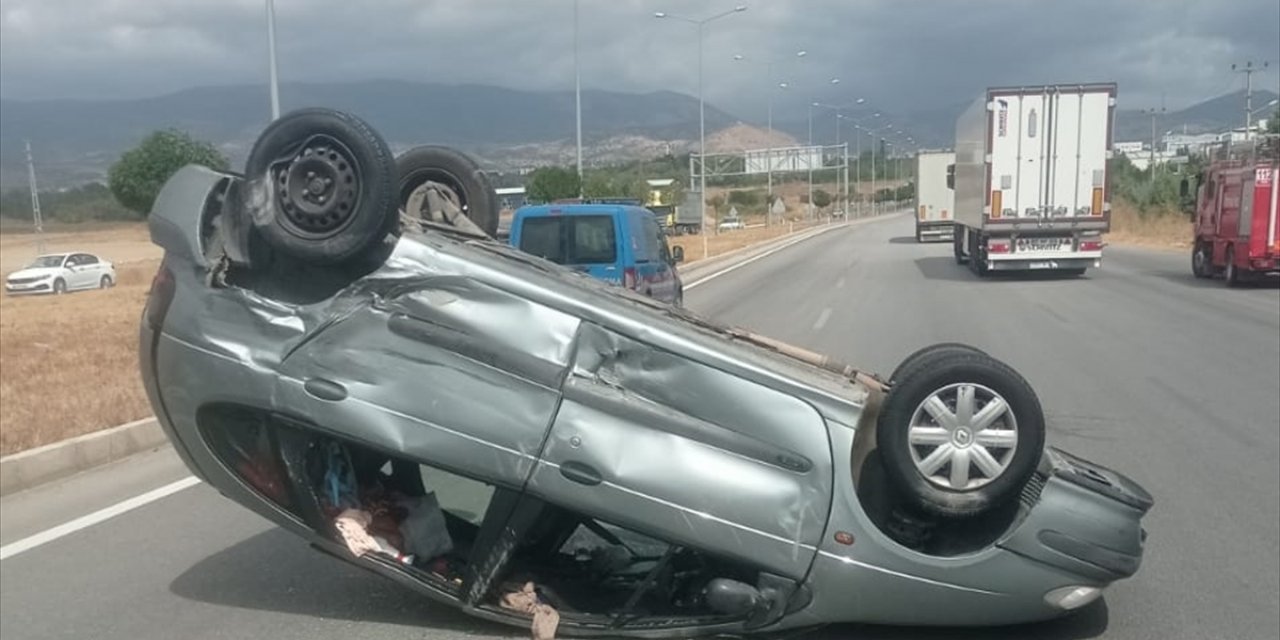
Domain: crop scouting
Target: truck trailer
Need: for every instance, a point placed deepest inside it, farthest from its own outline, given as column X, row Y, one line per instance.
column 1030, row 178
column 935, row 202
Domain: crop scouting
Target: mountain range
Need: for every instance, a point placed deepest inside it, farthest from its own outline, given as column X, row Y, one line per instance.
column 74, row 141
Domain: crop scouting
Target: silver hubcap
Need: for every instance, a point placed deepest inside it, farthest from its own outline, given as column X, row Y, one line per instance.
column 963, row 436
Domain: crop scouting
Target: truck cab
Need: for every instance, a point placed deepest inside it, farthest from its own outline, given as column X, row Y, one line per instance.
column 623, row 244
column 1234, row 211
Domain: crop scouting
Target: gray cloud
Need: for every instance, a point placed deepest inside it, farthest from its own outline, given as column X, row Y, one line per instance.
column 899, row 55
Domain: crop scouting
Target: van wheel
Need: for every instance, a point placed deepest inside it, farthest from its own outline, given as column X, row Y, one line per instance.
column 961, row 437
column 320, row 187
column 458, row 179
column 926, row 356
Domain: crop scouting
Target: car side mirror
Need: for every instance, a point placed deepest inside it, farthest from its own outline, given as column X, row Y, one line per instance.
column 951, row 176
column 677, row 254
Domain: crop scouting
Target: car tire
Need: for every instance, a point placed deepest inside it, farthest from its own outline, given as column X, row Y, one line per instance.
column 59, row 286
column 105, row 282
column 957, row 246
column 917, row 448
column 1230, row 274
column 320, row 187
column 1201, row 261
column 926, row 356
column 457, row 172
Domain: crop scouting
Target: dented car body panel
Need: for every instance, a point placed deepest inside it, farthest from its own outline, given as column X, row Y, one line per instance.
column 468, row 356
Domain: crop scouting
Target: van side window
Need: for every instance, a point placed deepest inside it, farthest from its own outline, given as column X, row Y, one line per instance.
column 660, row 241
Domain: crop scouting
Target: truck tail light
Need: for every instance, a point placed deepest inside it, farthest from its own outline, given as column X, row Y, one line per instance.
column 996, row 203
column 922, row 212
column 629, row 279
column 1091, row 245
column 945, row 214
column 1097, row 201
column 998, row 246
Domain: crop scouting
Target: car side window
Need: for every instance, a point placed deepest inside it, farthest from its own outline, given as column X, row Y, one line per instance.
column 72, row 261
column 86, row 259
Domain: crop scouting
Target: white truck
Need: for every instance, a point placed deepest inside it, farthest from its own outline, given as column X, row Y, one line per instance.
column 935, row 201
column 1030, row 178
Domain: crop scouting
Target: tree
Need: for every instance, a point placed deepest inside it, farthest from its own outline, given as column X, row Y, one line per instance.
column 552, row 183
column 821, row 199
column 135, row 180
column 1273, row 125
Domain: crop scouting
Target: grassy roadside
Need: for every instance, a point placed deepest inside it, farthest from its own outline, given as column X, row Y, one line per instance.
column 1168, row 230
column 726, row 241
column 71, row 362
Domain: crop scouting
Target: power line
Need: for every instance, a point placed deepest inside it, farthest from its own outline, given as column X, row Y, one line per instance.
column 36, row 218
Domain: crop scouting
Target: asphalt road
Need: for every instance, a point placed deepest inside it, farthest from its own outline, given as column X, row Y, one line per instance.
column 1139, row 366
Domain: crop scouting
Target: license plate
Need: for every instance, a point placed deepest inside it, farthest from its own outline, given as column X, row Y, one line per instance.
column 1043, row 265
column 1044, row 244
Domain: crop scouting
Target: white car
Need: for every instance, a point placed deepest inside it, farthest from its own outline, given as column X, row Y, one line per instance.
column 731, row 223
column 60, row 273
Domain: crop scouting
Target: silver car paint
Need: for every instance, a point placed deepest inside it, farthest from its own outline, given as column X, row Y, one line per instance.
column 472, row 356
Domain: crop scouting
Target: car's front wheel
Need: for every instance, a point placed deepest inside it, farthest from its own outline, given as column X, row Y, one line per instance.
column 320, row 187
column 59, row 286
column 962, row 436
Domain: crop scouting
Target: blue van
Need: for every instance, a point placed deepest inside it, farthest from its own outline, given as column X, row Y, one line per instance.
column 618, row 243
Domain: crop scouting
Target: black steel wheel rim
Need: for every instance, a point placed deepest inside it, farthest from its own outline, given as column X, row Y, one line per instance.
column 318, row 187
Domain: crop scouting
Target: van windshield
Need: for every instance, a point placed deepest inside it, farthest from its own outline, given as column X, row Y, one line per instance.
column 570, row 239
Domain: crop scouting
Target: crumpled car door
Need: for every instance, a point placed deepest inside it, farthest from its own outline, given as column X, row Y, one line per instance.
column 649, row 439
column 449, row 372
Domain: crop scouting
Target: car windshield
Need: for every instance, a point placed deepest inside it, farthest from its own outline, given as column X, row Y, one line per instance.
column 44, row 262
column 570, row 239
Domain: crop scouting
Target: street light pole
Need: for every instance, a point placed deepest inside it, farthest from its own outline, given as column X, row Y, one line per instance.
column 271, row 59
column 702, row 117
column 577, row 93
column 770, row 64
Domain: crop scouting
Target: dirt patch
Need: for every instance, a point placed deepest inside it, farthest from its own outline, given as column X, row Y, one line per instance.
column 1169, row 230
column 71, row 361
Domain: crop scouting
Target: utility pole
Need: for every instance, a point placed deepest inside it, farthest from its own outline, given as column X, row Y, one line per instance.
column 36, row 218
column 1248, row 69
column 1153, row 112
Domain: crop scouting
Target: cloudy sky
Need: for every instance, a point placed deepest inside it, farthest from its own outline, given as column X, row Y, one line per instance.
column 899, row 54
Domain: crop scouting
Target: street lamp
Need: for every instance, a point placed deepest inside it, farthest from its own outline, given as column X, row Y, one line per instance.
column 271, row 59
column 840, row 116
column 702, row 113
column 873, row 133
column 809, row 151
column 857, row 122
column 577, row 94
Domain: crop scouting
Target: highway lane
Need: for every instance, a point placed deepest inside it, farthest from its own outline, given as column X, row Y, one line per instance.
column 1139, row 366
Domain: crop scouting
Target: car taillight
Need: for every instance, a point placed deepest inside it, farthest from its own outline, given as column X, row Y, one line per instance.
column 629, row 279
column 998, row 246
column 160, row 297
column 1091, row 245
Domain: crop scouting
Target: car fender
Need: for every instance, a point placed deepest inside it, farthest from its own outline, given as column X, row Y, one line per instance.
column 181, row 211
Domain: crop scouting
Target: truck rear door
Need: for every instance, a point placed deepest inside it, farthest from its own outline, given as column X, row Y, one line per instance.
column 1049, row 152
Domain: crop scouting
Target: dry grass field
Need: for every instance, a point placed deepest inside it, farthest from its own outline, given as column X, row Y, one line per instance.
column 1167, row 230
column 727, row 241
column 70, row 363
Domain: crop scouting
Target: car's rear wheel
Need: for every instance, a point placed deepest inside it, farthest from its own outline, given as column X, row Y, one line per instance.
column 927, row 355
column 453, row 175
column 105, row 282
column 320, row 187
column 962, row 436
column 1231, row 275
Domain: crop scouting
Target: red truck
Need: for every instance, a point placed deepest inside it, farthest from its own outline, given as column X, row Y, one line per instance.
column 1236, row 231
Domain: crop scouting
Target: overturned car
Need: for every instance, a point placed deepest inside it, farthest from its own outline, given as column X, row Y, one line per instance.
column 334, row 342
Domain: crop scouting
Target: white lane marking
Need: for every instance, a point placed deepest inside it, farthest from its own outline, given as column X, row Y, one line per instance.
column 840, row 283
column 822, row 319
column 761, row 256
column 101, row 515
